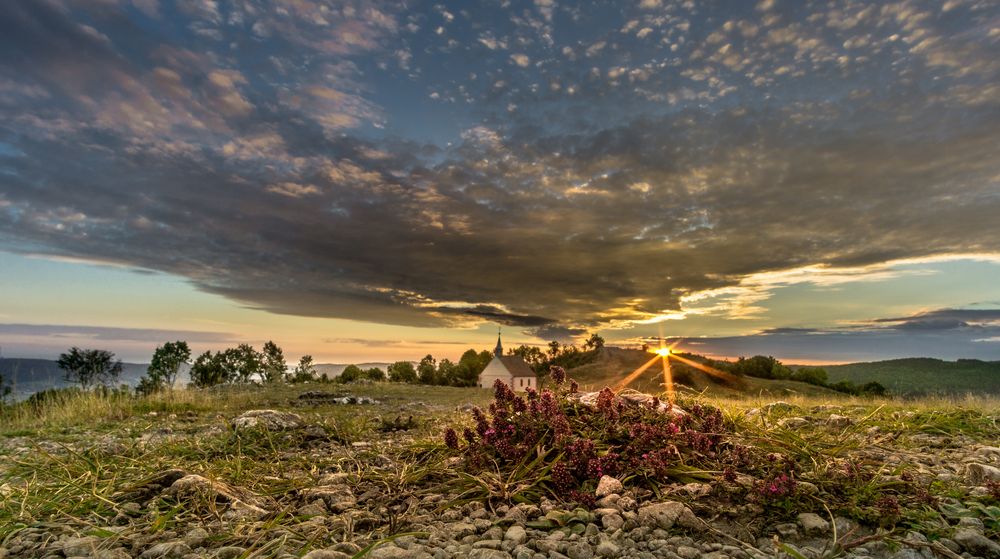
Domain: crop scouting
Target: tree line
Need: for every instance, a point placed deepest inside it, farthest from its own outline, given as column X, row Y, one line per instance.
column 243, row 364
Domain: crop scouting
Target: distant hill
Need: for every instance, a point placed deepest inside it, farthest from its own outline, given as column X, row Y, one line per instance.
column 923, row 375
column 612, row 364
column 27, row 376
column 334, row 369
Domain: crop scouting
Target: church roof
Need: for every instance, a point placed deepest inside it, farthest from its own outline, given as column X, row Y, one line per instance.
column 516, row 366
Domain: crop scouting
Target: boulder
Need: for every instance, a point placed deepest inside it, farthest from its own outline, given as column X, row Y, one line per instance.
column 976, row 543
column 272, row 420
column 608, row 486
column 979, row 474
column 813, row 524
column 666, row 515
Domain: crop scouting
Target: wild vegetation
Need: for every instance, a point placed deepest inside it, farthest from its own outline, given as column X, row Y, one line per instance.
column 90, row 465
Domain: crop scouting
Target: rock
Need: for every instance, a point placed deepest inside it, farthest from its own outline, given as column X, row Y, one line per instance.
column 80, row 546
column 666, row 515
column 612, row 522
column 697, row 489
column 167, row 550
column 979, row 474
column 196, row 537
column 516, row 534
column 482, row 553
column 787, row 530
column 976, row 543
column 392, row 552
column 229, row 552
column 813, row 524
column 198, row 490
column 338, row 498
column 778, row 406
column 459, row 530
column 793, row 422
column 325, row 554
column 607, row 549
column 608, row 486
column 579, row 550
column 839, row 421
column 272, row 420
column 688, row 552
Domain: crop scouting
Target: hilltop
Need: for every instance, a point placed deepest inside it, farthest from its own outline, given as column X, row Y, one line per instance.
column 609, row 365
column 924, row 375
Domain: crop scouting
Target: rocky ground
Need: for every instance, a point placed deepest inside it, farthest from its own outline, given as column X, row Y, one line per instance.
column 293, row 481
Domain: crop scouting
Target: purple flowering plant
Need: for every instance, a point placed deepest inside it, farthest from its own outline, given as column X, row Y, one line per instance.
column 561, row 446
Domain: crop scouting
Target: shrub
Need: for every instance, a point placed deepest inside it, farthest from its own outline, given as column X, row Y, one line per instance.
column 575, row 444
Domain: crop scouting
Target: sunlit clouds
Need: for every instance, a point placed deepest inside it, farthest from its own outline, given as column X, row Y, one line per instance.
column 554, row 168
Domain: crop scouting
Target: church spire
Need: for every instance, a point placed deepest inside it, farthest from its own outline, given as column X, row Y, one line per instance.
column 498, row 351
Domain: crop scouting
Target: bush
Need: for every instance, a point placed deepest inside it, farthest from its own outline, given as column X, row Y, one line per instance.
column 569, row 445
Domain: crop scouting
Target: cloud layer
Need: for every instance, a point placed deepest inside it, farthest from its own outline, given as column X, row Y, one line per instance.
column 550, row 167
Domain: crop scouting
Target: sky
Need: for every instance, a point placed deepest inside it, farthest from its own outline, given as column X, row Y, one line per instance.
column 372, row 181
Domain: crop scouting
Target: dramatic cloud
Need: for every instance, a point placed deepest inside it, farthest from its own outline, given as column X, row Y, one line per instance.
column 545, row 167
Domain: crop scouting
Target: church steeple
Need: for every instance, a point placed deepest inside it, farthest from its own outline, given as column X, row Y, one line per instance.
column 498, row 351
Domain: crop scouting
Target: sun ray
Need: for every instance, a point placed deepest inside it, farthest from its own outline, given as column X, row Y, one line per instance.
column 705, row 368
column 668, row 377
column 635, row 374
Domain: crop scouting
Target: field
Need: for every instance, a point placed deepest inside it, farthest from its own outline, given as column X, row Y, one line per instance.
column 95, row 476
column 919, row 376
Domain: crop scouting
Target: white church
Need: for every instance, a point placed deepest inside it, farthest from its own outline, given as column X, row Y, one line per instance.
column 509, row 368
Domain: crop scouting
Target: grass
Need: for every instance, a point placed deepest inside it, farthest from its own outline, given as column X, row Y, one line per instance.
column 85, row 452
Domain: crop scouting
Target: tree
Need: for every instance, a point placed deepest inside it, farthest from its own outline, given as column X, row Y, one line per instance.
column 305, row 370
column 210, row 369
column 811, row 375
column 426, row 370
column 351, row 373
column 470, row 365
column 553, row 349
column 402, row 371
column 88, row 367
column 531, row 355
column 273, row 363
column 245, row 363
column 374, row 374
column 164, row 367
column 595, row 341
column 446, row 373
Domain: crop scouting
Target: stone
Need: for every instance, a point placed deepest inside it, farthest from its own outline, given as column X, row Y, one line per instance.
column 196, row 537
column 229, row 552
column 607, row 549
column 979, row 474
column 579, row 550
column 612, row 522
column 793, row 422
column 839, row 421
column 482, row 553
column 976, row 543
column 393, row 552
column 787, row 530
column 666, row 515
column 813, row 524
column 778, row 406
column 688, row 552
column 80, row 546
column 608, row 486
column 198, row 490
column 167, row 550
column 272, row 420
column 516, row 534
column 459, row 530
column 325, row 554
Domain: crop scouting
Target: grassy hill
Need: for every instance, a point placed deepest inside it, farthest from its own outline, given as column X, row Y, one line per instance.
column 614, row 364
column 924, row 375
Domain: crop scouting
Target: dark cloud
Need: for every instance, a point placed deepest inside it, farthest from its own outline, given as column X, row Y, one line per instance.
column 284, row 163
column 944, row 319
